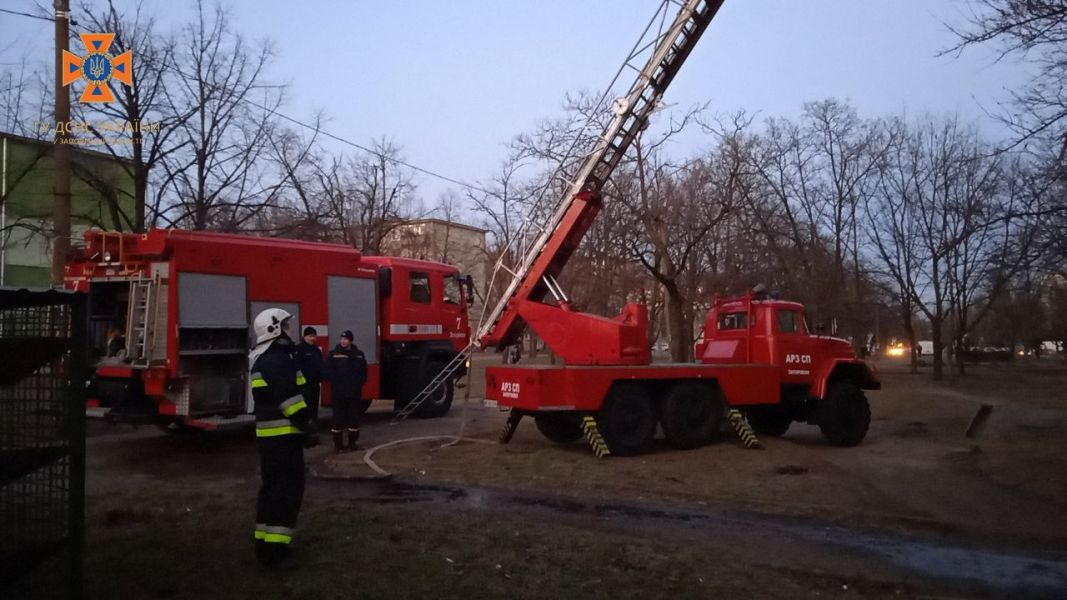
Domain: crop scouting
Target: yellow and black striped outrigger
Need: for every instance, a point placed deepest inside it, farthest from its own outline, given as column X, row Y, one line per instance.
column 748, row 437
column 592, row 435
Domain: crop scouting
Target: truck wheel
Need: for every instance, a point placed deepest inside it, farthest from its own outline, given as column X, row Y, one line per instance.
column 440, row 401
column 692, row 414
column 769, row 420
column 844, row 415
column 561, row 427
column 627, row 420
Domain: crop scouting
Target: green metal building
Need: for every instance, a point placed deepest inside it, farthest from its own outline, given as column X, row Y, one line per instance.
column 102, row 197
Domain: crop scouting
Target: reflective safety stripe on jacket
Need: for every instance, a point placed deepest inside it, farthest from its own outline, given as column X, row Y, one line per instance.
column 290, row 406
column 275, row 427
column 274, row 534
column 259, row 382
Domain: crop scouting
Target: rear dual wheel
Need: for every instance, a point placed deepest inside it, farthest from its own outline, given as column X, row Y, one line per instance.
column 692, row 414
column 627, row 420
column 560, row 427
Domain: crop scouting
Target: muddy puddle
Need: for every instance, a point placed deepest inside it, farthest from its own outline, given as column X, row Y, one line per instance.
column 988, row 568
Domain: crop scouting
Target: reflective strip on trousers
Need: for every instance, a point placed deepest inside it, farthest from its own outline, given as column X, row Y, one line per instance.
column 292, row 405
column 274, row 534
column 275, row 427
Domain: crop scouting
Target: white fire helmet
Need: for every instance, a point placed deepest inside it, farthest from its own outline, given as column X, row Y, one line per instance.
column 270, row 324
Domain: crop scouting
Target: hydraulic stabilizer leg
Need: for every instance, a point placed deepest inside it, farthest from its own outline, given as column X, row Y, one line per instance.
column 592, row 435
column 748, row 437
column 510, row 425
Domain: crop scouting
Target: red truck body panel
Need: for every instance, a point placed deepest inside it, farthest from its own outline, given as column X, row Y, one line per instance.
column 270, row 271
column 583, row 388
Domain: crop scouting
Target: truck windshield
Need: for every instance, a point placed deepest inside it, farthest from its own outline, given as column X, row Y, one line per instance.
column 734, row 320
column 452, row 293
column 789, row 321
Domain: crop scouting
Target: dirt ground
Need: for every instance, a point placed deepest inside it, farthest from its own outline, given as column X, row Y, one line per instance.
column 918, row 510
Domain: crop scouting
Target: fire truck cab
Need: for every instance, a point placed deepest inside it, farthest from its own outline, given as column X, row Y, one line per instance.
column 171, row 312
column 820, row 377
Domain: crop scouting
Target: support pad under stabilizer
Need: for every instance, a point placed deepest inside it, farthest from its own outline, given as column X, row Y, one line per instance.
column 748, row 437
column 510, row 426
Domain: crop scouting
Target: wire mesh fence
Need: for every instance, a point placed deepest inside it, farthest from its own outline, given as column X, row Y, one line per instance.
column 42, row 443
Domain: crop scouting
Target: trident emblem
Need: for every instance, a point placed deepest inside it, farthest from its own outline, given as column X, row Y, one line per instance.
column 98, row 67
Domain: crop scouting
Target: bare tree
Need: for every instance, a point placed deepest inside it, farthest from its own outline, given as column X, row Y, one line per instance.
column 1035, row 29
column 219, row 179
column 153, row 125
column 672, row 209
column 381, row 195
column 26, row 99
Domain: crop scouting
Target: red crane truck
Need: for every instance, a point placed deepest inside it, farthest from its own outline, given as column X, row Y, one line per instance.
column 183, row 302
column 756, row 353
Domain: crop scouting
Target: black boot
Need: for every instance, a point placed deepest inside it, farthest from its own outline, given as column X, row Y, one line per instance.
column 353, row 436
column 338, row 441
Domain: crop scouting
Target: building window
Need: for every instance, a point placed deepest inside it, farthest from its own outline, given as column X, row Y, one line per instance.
column 420, row 287
column 734, row 320
column 788, row 321
column 452, row 292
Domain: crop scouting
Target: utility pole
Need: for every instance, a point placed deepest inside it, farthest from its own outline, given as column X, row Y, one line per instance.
column 61, row 151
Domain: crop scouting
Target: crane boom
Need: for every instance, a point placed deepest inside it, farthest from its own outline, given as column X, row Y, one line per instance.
column 578, row 208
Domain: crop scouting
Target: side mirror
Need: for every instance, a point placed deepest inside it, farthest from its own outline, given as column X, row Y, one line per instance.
column 385, row 282
column 469, row 282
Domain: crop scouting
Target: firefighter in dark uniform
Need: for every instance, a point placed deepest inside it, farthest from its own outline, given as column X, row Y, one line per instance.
column 282, row 424
column 309, row 360
column 347, row 368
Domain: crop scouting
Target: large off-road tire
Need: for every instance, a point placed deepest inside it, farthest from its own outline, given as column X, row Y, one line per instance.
column 691, row 414
column 627, row 420
column 560, row 427
column 772, row 419
column 844, row 415
column 439, row 403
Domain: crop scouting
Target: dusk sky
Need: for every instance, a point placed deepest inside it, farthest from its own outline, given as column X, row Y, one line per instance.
column 452, row 82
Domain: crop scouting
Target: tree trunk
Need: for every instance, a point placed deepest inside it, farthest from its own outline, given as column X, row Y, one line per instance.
column 680, row 330
column 913, row 343
column 939, row 363
column 960, row 367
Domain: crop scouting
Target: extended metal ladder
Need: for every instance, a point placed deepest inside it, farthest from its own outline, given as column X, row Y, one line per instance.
column 444, row 376
column 631, row 114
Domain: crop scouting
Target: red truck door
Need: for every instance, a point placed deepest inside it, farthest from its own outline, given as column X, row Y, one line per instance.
column 795, row 350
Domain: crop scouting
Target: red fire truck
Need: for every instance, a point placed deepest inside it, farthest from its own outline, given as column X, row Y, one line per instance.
column 181, row 304
column 756, row 354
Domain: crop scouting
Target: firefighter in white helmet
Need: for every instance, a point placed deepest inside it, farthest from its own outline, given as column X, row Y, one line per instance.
column 282, row 424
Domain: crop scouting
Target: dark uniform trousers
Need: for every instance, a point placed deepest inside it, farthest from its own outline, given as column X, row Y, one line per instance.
column 347, row 368
column 309, row 360
column 311, row 393
column 282, row 420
